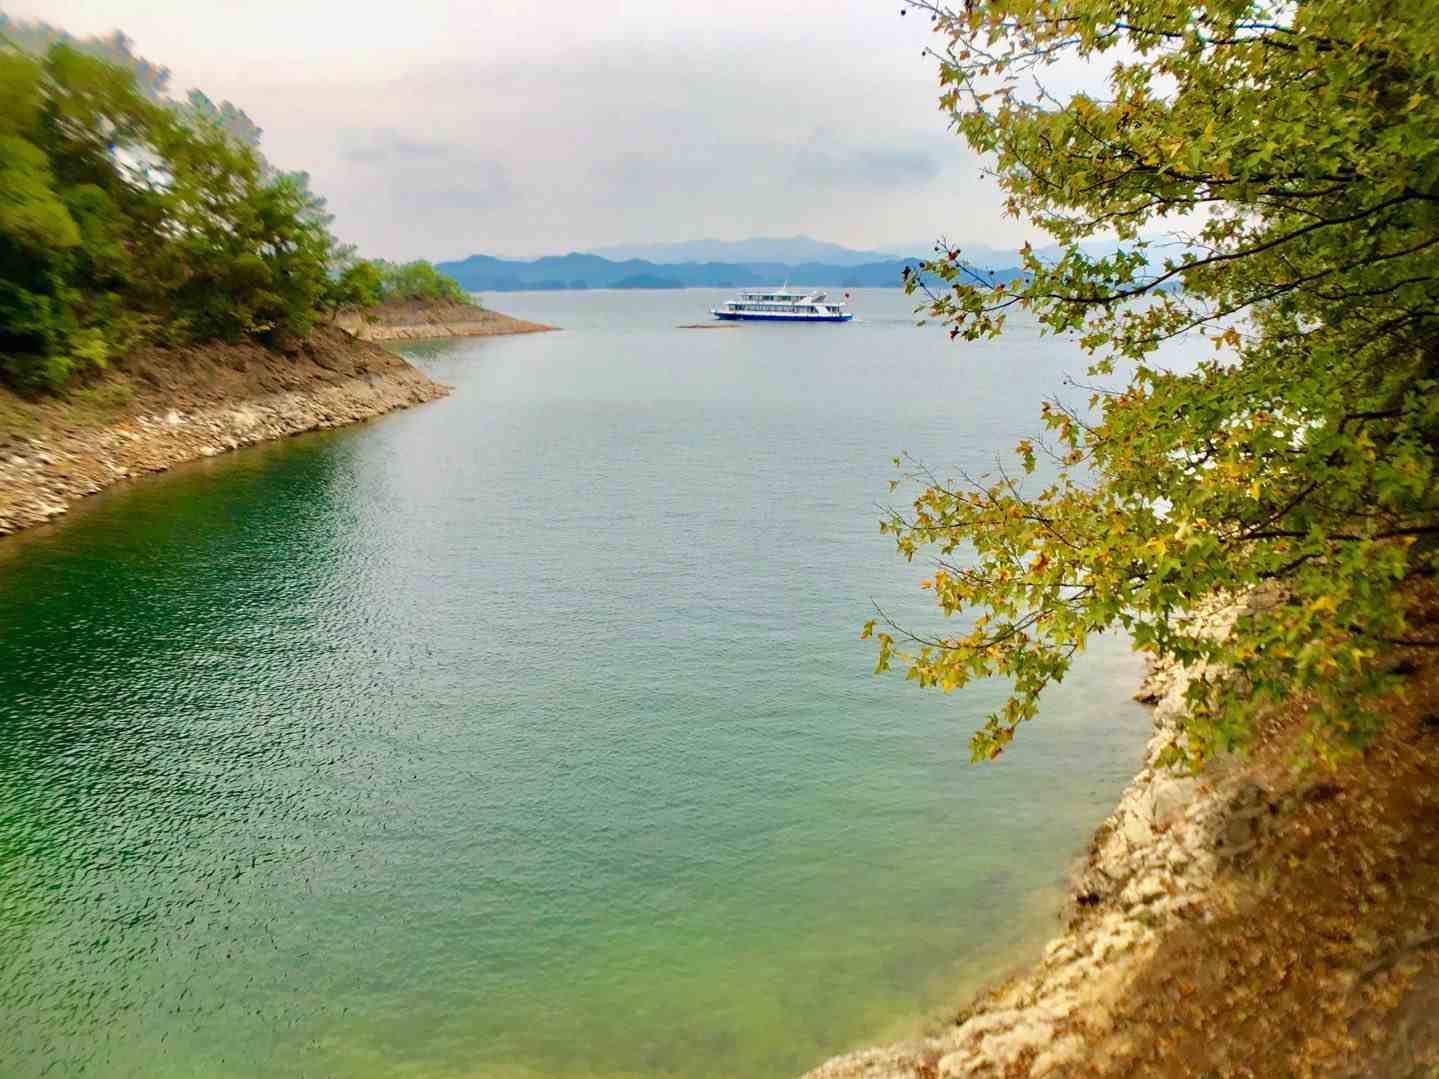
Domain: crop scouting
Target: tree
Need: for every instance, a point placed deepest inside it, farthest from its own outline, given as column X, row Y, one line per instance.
column 1300, row 138
column 419, row 281
column 360, row 284
column 60, row 125
column 365, row 283
column 37, row 38
column 124, row 218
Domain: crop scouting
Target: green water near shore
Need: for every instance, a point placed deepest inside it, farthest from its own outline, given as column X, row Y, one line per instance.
column 528, row 732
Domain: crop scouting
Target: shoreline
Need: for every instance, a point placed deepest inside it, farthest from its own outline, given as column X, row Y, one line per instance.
column 165, row 407
column 1257, row 916
column 408, row 321
column 1152, row 865
column 42, row 478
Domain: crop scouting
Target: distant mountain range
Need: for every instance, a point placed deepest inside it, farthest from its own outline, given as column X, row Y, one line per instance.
column 800, row 261
column 789, row 250
column 484, row 273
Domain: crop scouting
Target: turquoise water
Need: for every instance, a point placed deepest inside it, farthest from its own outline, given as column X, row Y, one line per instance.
column 527, row 733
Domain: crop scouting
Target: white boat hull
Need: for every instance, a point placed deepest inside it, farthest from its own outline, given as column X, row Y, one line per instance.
column 777, row 316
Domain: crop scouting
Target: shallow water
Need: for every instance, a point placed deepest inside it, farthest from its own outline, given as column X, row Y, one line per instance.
column 528, row 732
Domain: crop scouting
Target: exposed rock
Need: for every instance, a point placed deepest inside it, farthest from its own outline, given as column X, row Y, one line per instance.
column 79, row 461
column 1060, row 1052
column 424, row 321
column 1169, row 797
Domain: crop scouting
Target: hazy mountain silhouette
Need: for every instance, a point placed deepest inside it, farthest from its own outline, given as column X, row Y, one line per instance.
column 484, row 273
column 790, row 250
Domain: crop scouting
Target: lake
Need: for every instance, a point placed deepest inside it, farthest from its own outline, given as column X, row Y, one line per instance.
column 528, row 733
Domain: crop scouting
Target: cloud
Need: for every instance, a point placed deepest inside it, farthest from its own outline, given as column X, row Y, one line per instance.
column 829, row 163
column 529, row 130
column 387, row 146
column 478, row 192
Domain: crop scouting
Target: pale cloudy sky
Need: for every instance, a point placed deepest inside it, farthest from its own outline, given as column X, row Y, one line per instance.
column 438, row 129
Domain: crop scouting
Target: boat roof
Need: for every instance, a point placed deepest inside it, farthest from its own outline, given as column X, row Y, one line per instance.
column 782, row 291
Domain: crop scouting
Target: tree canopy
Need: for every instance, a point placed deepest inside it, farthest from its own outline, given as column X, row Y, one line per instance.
column 127, row 217
column 123, row 220
column 417, row 281
column 1298, row 141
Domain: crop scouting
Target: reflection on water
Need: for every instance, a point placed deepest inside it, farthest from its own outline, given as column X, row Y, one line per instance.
column 526, row 732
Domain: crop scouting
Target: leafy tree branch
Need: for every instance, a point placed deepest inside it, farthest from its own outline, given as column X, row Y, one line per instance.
column 1299, row 455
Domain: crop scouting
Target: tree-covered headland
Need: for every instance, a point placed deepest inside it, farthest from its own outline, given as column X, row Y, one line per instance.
column 369, row 283
column 128, row 218
column 1296, row 144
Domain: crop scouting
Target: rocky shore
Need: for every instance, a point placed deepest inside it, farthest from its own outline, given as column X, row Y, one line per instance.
column 166, row 407
column 413, row 321
column 1232, row 922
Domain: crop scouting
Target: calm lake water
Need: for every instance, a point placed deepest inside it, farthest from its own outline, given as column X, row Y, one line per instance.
column 528, row 733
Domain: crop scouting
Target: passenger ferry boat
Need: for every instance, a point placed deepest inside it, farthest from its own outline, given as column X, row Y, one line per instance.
column 782, row 305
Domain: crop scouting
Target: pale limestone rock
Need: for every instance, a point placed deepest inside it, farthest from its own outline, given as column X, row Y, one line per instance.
column 1143, row 890
column 1060, row 1052
column 1056, row 1006
column 1059, row 950
column 1136, row 830
column 155, row 443
column 1030, row 1034
column 958, row 1065
column 1153, row 859
column 1169, row 797
column 1177, row 857
column 896, row 1062
column 1116, row 941
column 980, row 1025
column 1071, row 974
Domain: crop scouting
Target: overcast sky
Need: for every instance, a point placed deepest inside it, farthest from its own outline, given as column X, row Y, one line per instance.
column 438, row 128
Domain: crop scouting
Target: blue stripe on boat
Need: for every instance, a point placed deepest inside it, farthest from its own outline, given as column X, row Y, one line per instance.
column 745, row 316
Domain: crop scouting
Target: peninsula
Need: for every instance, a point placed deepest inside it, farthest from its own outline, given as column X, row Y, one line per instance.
column 160, row 407
column 149, row 317
column 419, row 320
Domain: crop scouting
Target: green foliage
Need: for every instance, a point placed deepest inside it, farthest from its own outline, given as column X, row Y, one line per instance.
column 361, row 284
column 1301, row 139
column 123, row 217
column 366, row 283
column 38, row 38
column 418, row 281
